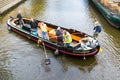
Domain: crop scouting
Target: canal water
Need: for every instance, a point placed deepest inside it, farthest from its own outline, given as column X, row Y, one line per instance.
column 21, row 59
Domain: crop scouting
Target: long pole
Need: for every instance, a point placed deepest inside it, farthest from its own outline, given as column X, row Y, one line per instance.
column 45, row 51
column 47, row 60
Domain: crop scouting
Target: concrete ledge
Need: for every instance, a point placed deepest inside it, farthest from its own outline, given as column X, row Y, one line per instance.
column 10, row 5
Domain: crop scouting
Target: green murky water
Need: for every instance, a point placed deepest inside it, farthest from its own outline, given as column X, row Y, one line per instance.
column 21, row 59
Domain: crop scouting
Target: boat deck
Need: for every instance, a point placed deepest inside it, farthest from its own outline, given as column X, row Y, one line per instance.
column 52, row 35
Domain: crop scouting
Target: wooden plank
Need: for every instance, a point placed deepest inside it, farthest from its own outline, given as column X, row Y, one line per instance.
column 76, row 38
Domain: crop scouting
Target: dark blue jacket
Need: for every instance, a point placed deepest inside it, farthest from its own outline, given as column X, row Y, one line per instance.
column 98, row 28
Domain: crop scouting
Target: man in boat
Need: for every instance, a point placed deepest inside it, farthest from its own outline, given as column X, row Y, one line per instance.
column 19, row 16
column 59, row 34
column 33, row 26
column 43, row 27
column 67, row 38
column 86, row 42
column 97, row 29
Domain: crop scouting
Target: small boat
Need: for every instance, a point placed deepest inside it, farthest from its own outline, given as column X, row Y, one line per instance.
column 112, row 18
column 77, row 36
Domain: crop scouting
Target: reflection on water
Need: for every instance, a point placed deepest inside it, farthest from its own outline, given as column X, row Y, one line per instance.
column 84, row 65
column 5, row 74
column 37, row 7
column 21, row 59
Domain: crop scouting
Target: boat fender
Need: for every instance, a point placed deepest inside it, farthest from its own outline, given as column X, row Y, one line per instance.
column 47, row 61
column 84, row 58
column 9, row 28
column 56, row 52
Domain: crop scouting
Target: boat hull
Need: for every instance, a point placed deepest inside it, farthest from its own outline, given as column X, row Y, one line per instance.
column 50, row 45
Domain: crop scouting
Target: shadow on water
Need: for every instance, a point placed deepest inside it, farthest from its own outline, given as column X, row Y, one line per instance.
column 78, row 62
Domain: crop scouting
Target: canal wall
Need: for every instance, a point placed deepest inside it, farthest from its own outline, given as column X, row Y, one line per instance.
column 5, row 5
